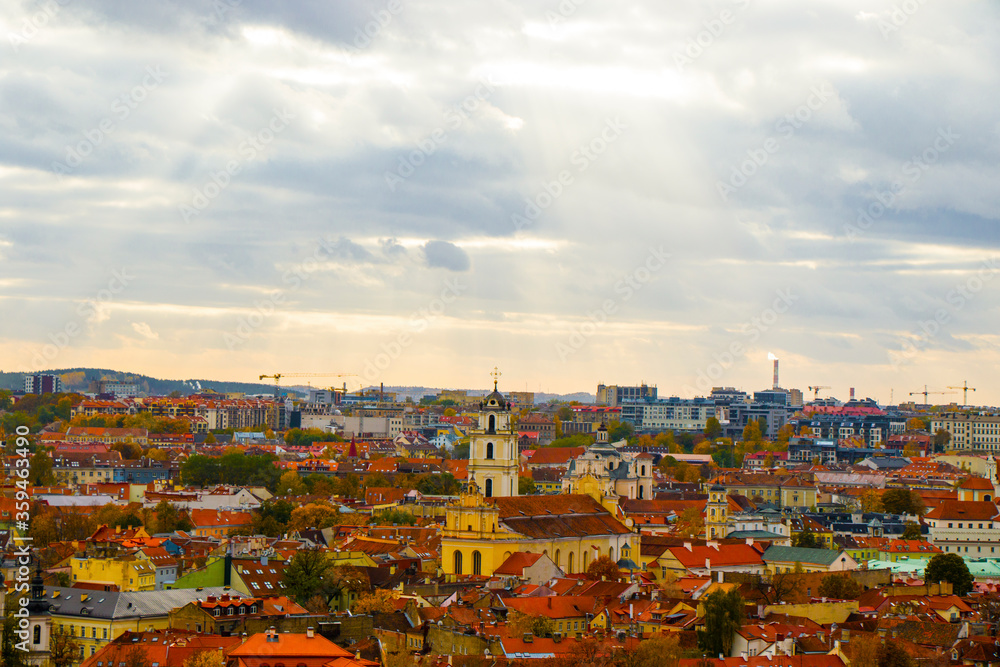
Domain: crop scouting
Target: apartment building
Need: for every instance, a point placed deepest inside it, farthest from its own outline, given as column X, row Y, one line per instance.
column 969, row 431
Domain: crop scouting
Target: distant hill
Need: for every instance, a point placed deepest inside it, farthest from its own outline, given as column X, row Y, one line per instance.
column 78, row 379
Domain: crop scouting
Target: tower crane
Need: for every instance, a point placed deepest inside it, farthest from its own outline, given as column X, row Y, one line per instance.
column 815, row 390
column 924, row 393
column 277, row 378
column 965, row 391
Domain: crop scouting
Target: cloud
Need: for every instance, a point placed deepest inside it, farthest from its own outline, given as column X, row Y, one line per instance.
column 445, row 255
column 145, row 331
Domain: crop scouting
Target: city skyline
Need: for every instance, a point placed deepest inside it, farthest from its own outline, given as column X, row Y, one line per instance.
column 418, row 192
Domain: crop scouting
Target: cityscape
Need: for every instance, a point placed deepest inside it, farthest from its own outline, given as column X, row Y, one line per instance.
column 531, row 333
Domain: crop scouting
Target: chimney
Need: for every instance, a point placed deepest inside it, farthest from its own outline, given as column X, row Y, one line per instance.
column 310, row 633
column 687, row 545
column 776, row 385
column 852, row 393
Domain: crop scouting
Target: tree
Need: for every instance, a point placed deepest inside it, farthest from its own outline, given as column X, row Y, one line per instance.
column 290, row 483
column 690, row 523
column 806, row 540
column 40, row 469
column 620, row 431
column 786, row 432
column 891, row 654
column 660, row 650
column 839, row 587
column 751, row 432
column 713, row 429
column 864, row 650
column 379, row 601
column 394, row 517
column 64, row 650
column 307, row 574
column 903, row 501
column 170, row 519
column 871, row 501
column 724, row 613
column 526, row 486
column 205, row 659
column 912, row 531
column 941, row 439
column 314, row 515
column 520, row 624
column 950, row 568
column 916, row 424
column 603, row 569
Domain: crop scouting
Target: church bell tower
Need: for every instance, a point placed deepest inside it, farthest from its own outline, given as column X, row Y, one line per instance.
column 494, row 458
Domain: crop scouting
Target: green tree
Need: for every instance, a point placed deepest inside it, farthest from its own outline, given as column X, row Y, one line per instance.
column 620, row 431
column 526, row 486
column 950, row 568
column 806, row 540
column 903, row 501
column 713, row 429
column 912, row 531
column 40, row 470
column 941, row 440
column 64, row 650
column 170, row 519
column 394, row 517
column 724, row 614
column 839, row 587
column 308, row 573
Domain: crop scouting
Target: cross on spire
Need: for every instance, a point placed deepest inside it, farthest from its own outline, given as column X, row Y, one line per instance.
column 495, row 374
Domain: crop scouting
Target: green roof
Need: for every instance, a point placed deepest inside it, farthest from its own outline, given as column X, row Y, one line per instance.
column 802, row 555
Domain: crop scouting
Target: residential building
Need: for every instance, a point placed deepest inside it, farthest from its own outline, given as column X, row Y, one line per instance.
column 792, row 559
column 672, row 414
column 42, row 383
column 969, row 431
column 117, row 574
column 615, row 395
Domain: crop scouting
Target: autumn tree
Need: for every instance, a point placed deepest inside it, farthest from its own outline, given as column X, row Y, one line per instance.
column 839, row 587
column 690, row 523
column 871, row 501
column 64, row 650
column 314, row 515
column 864, row 650
column 941, row 439
column 379, row 601
column 307, row 574
column 603, row 569
column 520, row 624
column 713, row 429
column 751, row 432
column 291, row 484
column 903, row 501
column 40, row 469
column 660, row 650
column 916, row 424
column 204, row 659
column 912, row 531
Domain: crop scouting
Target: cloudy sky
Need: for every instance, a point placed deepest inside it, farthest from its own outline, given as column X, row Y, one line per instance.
column 415, row 191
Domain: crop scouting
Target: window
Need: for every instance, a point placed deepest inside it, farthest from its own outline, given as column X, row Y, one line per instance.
column 458, row 565
column 489, row 488
column 477, row 563
column 489, row 450
column 37, row 636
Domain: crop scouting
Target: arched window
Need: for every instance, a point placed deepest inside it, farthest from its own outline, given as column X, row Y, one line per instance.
column 37, row 638
column 987, row 497
column 569, row 563
column 641, row 492
column 477, row 563
column 458, row 562
column 489, row 488
column 558, row 564
column 489, row 450
column 583, row 563
column 643, row 471
column 611, row 553
column 493, row 424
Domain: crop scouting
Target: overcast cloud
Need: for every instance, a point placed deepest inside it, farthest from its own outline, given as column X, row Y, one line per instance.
column 222, row 189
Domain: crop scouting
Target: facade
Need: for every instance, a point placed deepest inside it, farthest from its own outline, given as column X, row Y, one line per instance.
column 672, row 414
column 783, row 491
column 608, row 474
column 123, row 574
column 979, row 432
column 614, row 395
column 871, row 429
column 40, row 383
column 969, row 526
column 494, row 457
column 481, row 533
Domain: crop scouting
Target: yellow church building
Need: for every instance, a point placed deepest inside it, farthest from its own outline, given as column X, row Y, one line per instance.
column 490, row 521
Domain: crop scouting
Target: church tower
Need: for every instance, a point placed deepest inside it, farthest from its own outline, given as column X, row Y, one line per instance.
column 494, row 458
column 716, row 513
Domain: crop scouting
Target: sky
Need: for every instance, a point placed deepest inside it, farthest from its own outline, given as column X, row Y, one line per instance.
column 417, row 191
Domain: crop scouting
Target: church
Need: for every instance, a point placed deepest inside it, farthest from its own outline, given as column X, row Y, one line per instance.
column 607, row 474
column 490, row 521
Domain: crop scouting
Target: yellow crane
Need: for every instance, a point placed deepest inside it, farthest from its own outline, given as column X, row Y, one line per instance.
column 924, row 393
column 277, row 378
column 815, row 390
column 965, row 391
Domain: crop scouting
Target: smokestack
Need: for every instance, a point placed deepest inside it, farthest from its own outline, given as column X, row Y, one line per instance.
column 775, row 360
column 852, row 393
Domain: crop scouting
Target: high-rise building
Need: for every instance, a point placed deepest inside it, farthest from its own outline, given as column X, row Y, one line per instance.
column 40, row 383
column 615, row 395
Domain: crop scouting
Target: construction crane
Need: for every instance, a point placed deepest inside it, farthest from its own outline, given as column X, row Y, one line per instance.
column 277, row 378
column 924, row 393
column 965, row 391
column 815, row 390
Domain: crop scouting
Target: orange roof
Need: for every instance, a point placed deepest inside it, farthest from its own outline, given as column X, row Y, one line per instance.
column 280, row 645
column 220, row 518
column 516, row 562
column 967, row 510
column 976, row 484
column 554, row 606
column 555, row 455
column 731, row 554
